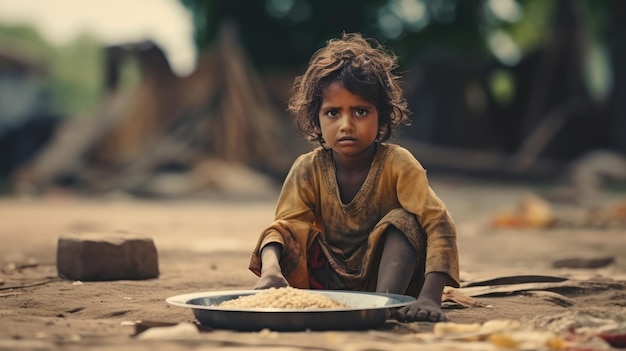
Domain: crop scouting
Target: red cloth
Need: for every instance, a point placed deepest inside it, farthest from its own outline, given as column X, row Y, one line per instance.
column 316, row 260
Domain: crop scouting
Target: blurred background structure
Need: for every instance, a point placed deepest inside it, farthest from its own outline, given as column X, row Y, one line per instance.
column 171, row 98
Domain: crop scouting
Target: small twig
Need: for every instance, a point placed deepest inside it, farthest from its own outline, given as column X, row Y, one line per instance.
column 29, row 285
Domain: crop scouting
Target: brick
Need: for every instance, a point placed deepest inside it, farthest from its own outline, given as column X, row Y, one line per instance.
column 106, row 256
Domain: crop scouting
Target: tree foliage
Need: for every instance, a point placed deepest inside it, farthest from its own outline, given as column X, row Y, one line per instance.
column 283, row 33
column 506, row 44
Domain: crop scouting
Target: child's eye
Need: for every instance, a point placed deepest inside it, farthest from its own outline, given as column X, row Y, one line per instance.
column 361, row 112
column 332, row 113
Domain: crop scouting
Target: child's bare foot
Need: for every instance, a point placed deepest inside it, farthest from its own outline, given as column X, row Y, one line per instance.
column 271, row 281
column 421, row 310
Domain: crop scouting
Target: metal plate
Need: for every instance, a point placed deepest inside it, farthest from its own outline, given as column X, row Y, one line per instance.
column 367, row 310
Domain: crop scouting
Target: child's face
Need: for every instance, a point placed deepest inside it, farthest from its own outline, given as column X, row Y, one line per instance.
column 348, row 122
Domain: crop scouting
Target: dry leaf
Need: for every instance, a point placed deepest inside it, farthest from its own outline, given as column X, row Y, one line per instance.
column 454, row 295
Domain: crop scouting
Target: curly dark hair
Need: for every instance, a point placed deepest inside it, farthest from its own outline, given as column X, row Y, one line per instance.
column 365, row 68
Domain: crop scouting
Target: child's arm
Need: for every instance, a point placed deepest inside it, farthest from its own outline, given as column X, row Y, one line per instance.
column 427, row 307
column 271, row 274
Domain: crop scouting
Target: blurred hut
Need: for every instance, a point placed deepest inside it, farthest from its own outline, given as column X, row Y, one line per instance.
column 212, row 131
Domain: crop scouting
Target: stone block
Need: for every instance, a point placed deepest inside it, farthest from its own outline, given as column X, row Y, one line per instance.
column 105, row 256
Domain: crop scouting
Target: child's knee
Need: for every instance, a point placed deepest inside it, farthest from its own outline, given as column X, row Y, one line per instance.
column 395, row 235
column 396, row 242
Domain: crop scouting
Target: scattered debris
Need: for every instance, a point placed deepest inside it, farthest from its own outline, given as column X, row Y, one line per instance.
column 538, row 213
column 546, row 287
column 532, row 212
column 603, row 217
column 568, row 285
column 514, row 279
column 142, row 326
column 578, row 262
column 170, row 332
column 550, row 296
column 615, row 339
column 452, row 297
column 579, row 325
column 508, row 334
column 503, row 333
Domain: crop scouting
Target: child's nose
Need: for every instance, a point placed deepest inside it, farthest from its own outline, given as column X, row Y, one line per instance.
column 346, row 123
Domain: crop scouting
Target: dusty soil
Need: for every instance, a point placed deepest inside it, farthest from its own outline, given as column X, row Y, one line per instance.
column 204, row 245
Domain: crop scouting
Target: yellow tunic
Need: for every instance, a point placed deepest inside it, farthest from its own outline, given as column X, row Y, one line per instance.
column 396, row 192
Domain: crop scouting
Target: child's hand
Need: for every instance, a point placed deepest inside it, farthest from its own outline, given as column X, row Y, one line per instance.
column 271, row 281
column 421, row 310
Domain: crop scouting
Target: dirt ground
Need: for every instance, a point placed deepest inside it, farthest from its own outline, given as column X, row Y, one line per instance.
column 204, row 245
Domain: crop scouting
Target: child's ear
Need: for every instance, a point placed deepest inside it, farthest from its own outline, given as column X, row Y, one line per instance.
column 318, row 130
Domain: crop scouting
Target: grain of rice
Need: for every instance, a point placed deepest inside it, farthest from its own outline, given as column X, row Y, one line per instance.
column 286, row 297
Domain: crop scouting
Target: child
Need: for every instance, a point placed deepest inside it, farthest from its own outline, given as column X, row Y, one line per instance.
column 357, row 213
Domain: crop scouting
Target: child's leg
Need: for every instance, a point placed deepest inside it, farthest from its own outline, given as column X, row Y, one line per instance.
column 397, row 263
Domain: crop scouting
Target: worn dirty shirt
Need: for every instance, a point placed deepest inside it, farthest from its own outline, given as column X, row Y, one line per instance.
column 395, row 193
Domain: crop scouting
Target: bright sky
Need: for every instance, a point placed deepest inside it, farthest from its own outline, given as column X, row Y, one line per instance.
column 166, row 22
